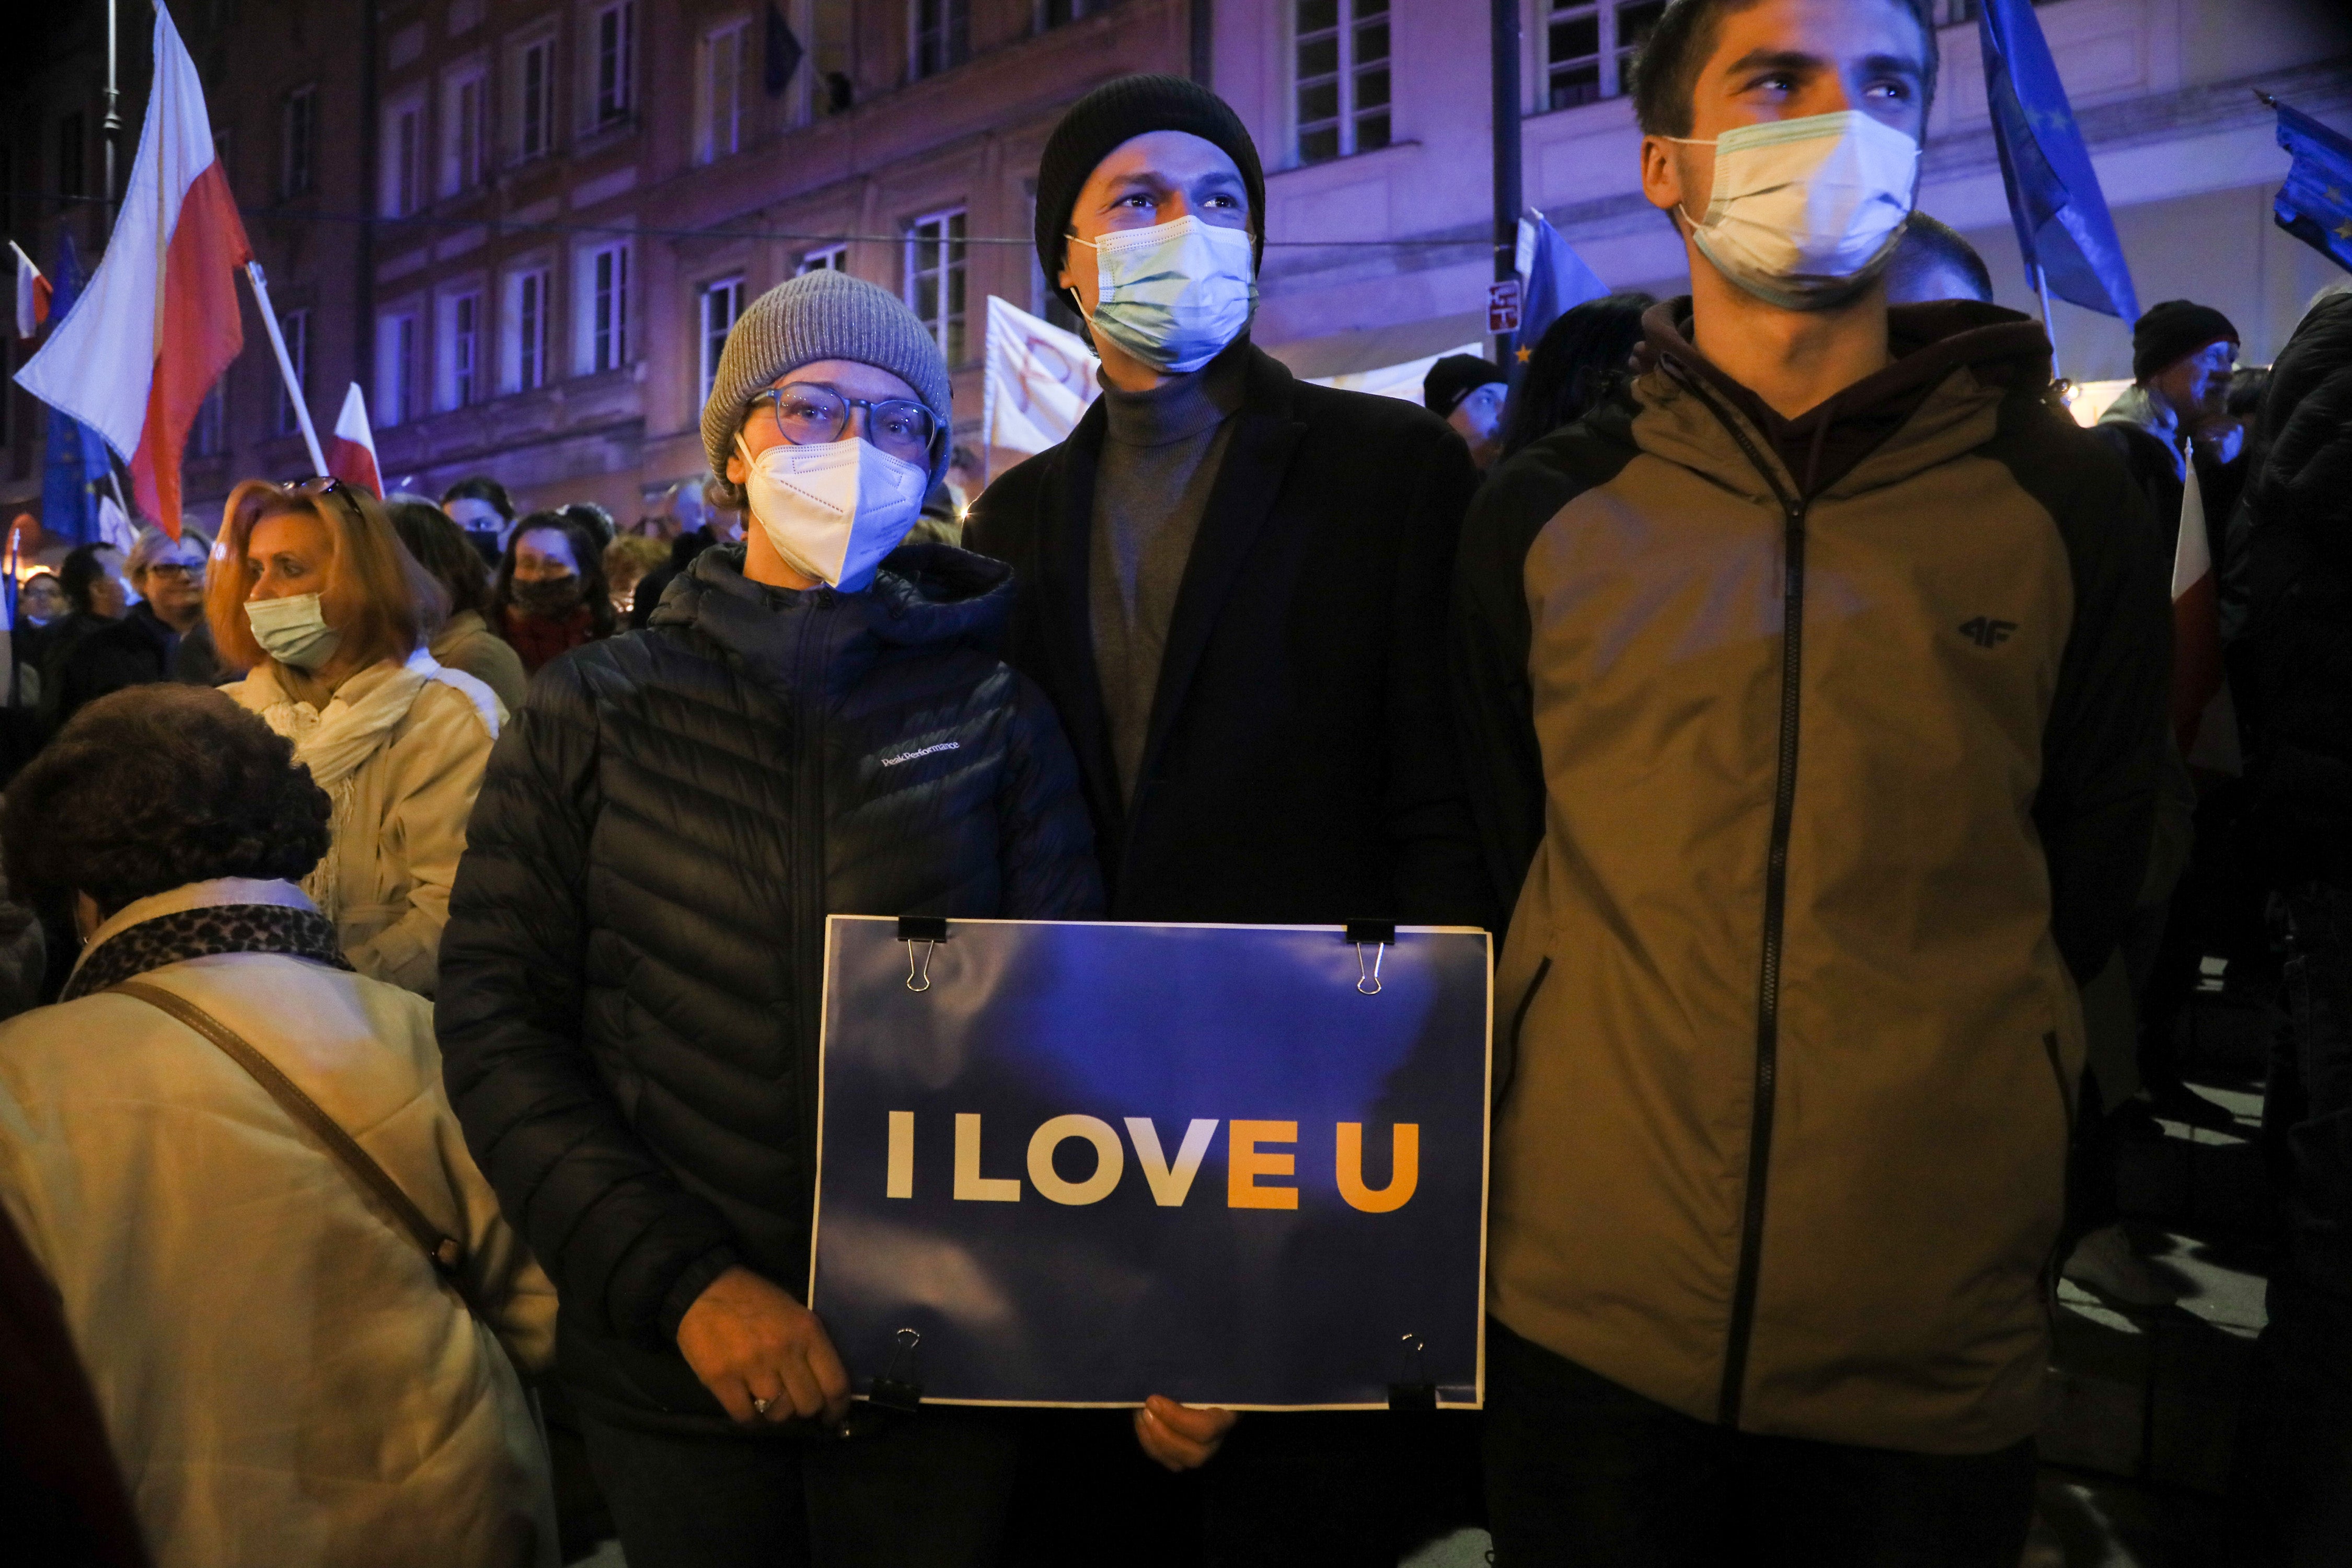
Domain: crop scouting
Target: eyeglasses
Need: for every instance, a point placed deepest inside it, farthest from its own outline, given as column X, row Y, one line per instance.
column 809, row 415
column 180, row 569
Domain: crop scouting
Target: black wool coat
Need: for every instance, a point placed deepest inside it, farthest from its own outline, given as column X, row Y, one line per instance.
column 1299, row 764
column 631, row 972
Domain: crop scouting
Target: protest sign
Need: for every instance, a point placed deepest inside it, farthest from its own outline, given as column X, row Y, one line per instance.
column 1237, row 1165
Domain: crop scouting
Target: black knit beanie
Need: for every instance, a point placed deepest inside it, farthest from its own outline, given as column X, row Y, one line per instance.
column 1456, row 377
column 2173, row 330
column 1119, row 111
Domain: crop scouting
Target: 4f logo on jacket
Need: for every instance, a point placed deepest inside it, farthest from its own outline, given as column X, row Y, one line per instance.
column 1986, row 632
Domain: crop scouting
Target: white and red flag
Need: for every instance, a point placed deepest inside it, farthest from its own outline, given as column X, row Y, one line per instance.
column 32, row 293
column 2204, row 720
column 350, row 453
column 158, row 323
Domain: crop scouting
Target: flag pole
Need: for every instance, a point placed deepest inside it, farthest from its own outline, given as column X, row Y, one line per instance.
column 2049, row 328
column 286, row 366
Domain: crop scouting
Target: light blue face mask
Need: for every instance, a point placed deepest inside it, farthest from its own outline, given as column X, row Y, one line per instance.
column 292, row 631
column 1174, row 295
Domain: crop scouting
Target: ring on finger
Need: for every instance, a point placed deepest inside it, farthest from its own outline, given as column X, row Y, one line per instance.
column 760, row 1406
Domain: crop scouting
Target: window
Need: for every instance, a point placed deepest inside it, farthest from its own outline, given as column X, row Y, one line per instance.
column 535, row 99
column 935, row 278
column 73, row 152
column 942, row 35
column 605, row 324
column 721, row 302
column 399, row 352
column 526, row 328
column 1342, row 62
column 294, row 327
column 403, row 157
column 719, row 93
column 461, row 349
column 1589, row 48
column 830, row 259
column 464, row 105
column 298, row 141
column 209, row 437
column 614, row 37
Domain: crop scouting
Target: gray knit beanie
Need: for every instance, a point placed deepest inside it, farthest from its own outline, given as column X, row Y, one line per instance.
column 819, row 315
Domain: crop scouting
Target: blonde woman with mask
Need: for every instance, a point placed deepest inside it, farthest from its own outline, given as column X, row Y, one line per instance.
column 313, row 595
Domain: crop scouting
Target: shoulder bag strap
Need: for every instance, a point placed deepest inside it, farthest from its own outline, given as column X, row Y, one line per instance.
column 444, row 1251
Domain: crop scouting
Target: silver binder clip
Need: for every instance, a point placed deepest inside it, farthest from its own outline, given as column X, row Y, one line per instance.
column 926, row 932
column 1377, row 935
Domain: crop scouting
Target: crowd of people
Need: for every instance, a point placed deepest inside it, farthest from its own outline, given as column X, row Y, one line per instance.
column 414, row 910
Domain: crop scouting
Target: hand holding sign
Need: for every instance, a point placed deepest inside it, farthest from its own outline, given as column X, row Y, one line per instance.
column 762, row 1353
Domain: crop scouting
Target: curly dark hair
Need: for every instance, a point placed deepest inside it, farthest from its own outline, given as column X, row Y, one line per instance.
column 152, row 788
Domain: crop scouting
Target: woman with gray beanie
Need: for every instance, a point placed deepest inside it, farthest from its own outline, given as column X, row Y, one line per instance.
column 815, row 723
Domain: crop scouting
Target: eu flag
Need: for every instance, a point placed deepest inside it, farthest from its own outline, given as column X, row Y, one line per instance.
column 1556, row 279
column 76, row 460
column 2316, row 204
column 2062, row 220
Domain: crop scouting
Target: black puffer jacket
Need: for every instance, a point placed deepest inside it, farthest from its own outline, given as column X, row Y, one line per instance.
column 2288, row 603
column 631, row 972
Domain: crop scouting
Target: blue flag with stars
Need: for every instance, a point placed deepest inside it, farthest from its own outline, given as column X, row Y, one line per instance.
column 1555, row 278
column 76, row 462
column 2316, row 204
column 2062, row 220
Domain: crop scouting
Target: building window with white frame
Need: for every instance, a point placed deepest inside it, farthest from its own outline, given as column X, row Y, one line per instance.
column 613, row 40
column 403, row 157
column 294, row 326
column 465, row 114
column 719, row 305
column 534, row 99
column 719, row 92
column 824, row 258
column 942, row 32
column 1340, row 55
column 461, row 349
column 298, row 141
column 526, row 325
column 1589, row 48
column 399, row 366
column 603, row 311
column 935, row 278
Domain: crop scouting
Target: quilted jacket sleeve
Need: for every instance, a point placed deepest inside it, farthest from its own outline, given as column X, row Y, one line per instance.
column 627, row 1247
column 1048, row 839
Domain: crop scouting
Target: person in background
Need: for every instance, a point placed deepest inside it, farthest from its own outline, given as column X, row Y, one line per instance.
column 1931, row 262
column 1468, row 393
column 480, row 506
column 465, row 641
column 2181, row 358
column 314, row 597
column 146, row 643
column 40, row 599
column 549, row 595
column 1793, row 1031
column 627, row 560
column 594, row 520
column 2292, row 660
column 641, row 918
column 1251, row 666
column 2222, row 454
column 286, row 1376
column 648, row 596
column 97, row 594
column 40, row 606
column 1586, row 350
column 963, row 479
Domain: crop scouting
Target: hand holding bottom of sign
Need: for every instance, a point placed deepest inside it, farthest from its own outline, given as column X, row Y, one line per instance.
column 748, row 1340
column 1178, row 1436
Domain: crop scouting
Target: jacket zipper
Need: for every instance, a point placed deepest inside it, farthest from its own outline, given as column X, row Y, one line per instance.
column 1776, row 892
column 808, row 810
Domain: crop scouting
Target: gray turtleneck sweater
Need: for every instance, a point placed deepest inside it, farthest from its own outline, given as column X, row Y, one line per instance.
column 1160, row 454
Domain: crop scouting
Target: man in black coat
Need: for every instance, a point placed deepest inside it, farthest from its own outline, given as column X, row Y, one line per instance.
column 1233, row 586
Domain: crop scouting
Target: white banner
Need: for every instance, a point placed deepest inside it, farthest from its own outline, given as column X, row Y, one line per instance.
column 1396, row 380
column 1039, row 380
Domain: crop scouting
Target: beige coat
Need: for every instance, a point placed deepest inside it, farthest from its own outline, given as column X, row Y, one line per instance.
column 467, row 644
column 400, row 817
column 285, row 1378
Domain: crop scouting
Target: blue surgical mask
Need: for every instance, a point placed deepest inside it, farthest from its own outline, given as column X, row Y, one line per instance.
column 1175, row 295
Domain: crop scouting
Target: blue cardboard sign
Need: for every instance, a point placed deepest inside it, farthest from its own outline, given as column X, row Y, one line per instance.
column 1090, row 1163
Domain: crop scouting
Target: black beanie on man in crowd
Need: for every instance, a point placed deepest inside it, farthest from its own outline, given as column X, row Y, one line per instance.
column 1119, row 111
column 1456, row 377
column 2171, row 331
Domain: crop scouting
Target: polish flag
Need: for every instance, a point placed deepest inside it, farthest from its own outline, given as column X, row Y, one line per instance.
column 158, row 323
column 32, row 293
column 2204, row 720
column 350, row 453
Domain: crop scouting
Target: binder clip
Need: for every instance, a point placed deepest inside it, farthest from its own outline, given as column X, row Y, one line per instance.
column 1417, row 1393
column 1377, row 935
column 900, row 1387
column 928, row 932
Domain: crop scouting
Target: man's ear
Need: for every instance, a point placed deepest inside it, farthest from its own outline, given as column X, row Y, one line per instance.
column 736, row 472
column 1662, row 176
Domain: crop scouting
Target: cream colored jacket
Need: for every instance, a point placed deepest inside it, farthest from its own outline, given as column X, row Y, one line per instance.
column 400, row 817
column 286, row 1379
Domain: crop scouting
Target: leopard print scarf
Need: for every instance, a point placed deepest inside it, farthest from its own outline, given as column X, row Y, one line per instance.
column 200, row 932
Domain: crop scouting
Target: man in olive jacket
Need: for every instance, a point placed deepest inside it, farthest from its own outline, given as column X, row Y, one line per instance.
column 1816, row 683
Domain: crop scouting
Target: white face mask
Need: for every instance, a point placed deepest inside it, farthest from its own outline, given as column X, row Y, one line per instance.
column 292, row 631
column 1174, row 295
column 834, row 511
column 1805, row 213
